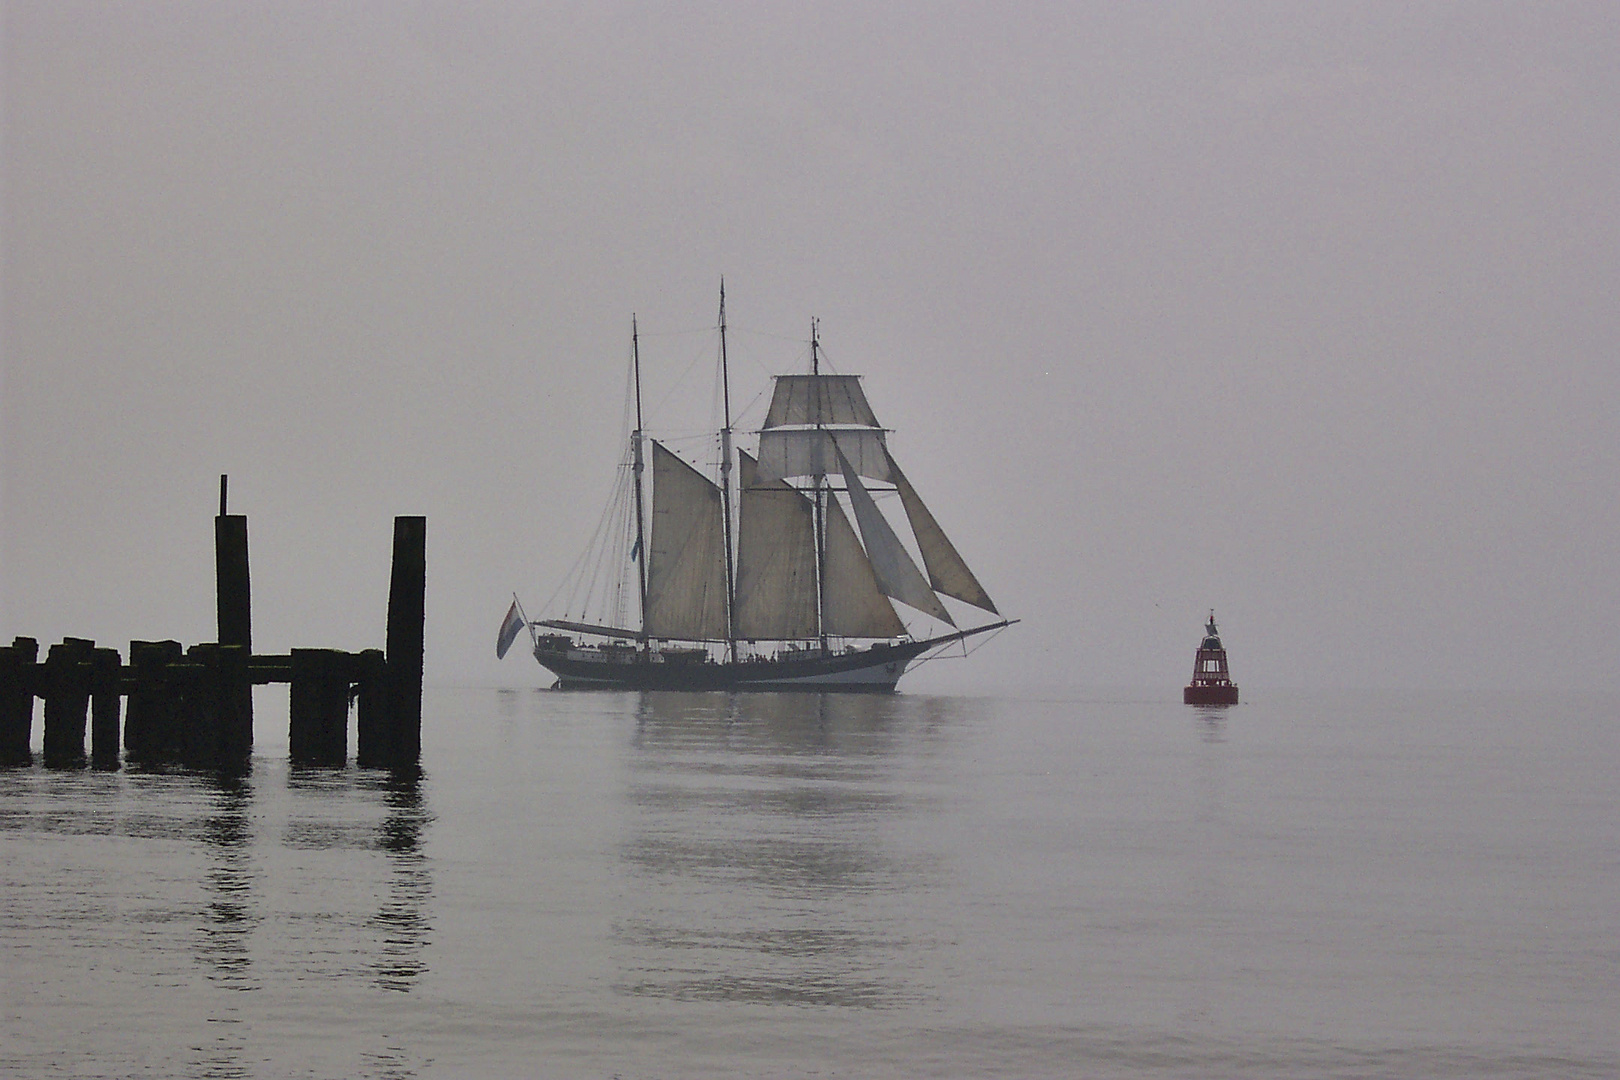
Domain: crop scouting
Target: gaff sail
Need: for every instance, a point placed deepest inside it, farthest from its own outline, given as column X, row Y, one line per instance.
column 686, row 566
column 776, row 558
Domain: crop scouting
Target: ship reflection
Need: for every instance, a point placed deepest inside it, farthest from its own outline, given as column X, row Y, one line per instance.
column 768, row 846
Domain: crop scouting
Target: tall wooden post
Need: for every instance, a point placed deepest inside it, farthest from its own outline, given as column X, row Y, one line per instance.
column 18, row 667
column 234, row 610
column 407, row 611
column 105, row 674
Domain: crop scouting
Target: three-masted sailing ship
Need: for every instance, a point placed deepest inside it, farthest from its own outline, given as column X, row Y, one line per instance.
column 760, row 581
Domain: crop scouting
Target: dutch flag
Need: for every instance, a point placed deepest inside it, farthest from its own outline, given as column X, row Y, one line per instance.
column 509, row 629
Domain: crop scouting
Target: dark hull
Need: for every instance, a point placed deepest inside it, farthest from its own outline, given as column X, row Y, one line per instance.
column 1220, row 694
column 868, row 670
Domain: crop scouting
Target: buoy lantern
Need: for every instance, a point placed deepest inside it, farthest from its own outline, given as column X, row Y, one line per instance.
column 1211, row 682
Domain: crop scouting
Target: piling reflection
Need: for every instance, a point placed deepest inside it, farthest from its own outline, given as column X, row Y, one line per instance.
column 768, row 839
column 403, row 916
column 228, row 920
column 342, row 816
column 227, row 832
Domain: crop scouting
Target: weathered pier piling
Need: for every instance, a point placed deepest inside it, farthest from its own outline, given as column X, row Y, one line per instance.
column 151, row 730
column 318, row 707
column 407, row 599
column 106, row 684
column 194, row 707
column 373, row 723
column 234, row 613
column 67, row 702
column 18, row 686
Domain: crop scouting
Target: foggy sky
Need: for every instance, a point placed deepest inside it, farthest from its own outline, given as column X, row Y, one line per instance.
column 1302, row 312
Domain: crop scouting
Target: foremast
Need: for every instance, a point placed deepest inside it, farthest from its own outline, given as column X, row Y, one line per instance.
column 725, row 486
column 639, row 551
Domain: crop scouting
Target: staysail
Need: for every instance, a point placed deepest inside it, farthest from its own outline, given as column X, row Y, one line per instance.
column 686, row 568
column 852, row 605
column 897, row 575
column 776, row 558
column 947, row 573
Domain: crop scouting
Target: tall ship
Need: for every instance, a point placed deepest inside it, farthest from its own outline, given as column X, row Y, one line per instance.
column 756, row 578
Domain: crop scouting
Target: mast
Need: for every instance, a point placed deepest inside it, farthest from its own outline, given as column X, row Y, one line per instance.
column 641, row 529
column 725, row 485
column 820, row 500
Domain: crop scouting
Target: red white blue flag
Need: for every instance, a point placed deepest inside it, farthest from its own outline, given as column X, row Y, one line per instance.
column 510, row 626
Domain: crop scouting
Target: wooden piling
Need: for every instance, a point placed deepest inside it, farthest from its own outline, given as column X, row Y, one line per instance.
column 106, row 672
column 67, row 701
column 196, row 707
column 318, row 708
column 235, row 746
column 150, row 721
column 233, row 600
column 18, row 679
column 407, row 602
column 373, row 744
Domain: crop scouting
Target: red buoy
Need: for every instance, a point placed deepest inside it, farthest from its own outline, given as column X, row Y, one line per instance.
column 1211, row 682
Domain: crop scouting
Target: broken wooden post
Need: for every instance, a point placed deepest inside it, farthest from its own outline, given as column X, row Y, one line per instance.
column 106, row 673
column 318, row 708
column 67, row 701
column 373, row 747
column 407, row 600
column 18, row 666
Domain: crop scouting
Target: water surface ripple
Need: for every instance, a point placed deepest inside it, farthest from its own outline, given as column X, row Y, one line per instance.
column 700, row 885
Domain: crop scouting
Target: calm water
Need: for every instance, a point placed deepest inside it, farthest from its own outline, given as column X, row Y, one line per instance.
column 666, row 885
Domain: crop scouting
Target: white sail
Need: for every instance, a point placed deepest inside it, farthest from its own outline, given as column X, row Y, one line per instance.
column 776, row 558
column 897, row 575
column 852, row 603
column 686, row 567
column 813, row 452
column 947, row 573
column 819, row 399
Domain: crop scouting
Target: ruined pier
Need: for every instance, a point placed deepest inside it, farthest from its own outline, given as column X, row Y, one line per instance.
column 193, row 707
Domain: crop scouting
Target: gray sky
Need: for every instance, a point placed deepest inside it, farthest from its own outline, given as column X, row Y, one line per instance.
column 1304, row 312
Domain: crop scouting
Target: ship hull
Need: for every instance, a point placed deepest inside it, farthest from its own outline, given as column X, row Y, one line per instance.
column 865, row 671
column 1220, row 694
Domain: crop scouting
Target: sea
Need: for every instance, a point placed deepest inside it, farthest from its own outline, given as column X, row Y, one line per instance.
column 663, row 885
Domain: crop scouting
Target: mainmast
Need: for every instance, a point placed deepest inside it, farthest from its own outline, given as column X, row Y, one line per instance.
column 641, row 529
column 820, row 500
column 725, row 485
